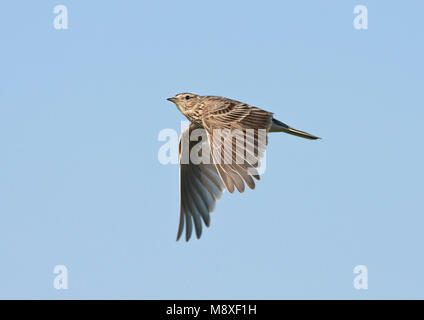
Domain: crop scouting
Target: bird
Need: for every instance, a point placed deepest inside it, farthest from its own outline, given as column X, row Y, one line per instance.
column 202, row 183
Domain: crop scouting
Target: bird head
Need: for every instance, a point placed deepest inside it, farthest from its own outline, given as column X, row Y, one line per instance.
column 185, row 101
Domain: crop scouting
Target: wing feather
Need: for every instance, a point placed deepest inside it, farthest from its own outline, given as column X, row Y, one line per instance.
column 200, row 187
column 202, row 184
column 233, row 121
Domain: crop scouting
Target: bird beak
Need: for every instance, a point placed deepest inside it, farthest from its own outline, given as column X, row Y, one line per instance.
column 171, row 99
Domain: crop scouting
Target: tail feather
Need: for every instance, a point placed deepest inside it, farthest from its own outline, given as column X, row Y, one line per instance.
column 278, row 126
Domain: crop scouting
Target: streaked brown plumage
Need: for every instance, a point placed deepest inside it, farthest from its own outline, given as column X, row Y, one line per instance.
column 202, row 184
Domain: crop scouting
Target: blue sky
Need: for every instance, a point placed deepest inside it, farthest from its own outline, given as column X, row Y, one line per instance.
column 81, row 185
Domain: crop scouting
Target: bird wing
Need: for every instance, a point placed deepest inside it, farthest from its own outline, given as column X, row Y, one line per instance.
column 229, row 125
column 200, row 187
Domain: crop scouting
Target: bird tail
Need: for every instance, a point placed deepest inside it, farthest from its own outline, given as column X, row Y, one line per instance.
column 278, row 126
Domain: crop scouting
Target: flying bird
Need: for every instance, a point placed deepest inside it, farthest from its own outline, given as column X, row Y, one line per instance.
column 202, row 183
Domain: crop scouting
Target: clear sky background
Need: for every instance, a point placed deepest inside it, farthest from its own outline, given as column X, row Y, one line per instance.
column 81, row 184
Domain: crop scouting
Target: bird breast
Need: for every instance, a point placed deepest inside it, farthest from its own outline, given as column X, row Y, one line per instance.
column 195, row 115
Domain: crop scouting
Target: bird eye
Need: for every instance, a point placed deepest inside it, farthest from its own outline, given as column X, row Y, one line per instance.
column 187, row 97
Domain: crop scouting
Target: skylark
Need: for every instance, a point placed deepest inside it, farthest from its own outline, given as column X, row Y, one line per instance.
column 201, row 184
